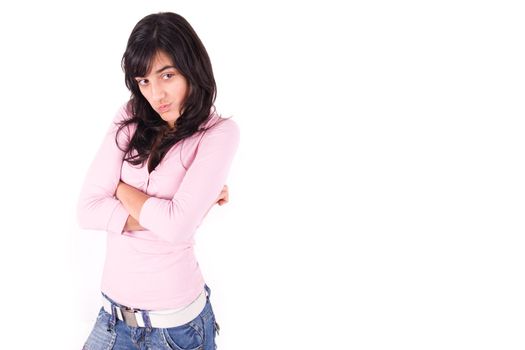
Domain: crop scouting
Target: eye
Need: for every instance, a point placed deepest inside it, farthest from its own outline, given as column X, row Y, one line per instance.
column 167, row 76
column 142, row 82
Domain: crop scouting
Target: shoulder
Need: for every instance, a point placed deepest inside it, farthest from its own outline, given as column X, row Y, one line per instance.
column 216, row 133
column 123, row 112
column 218, row 137
column 225, row 126
column 218, row 126
column 221, row 139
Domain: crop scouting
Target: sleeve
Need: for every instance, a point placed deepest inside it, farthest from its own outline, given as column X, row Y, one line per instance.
column 177, row 219
column 97, row 207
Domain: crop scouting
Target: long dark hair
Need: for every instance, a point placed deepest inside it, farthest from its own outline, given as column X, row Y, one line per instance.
column 172, row 34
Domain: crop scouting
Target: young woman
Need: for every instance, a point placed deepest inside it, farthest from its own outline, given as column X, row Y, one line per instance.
column 161, row 167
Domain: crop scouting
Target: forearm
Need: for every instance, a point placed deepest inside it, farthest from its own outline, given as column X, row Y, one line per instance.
column 132, row 199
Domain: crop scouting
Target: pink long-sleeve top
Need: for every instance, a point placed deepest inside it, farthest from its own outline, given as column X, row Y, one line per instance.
column 156, row 269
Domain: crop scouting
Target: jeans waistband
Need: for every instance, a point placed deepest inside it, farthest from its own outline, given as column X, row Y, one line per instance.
column 135, row 317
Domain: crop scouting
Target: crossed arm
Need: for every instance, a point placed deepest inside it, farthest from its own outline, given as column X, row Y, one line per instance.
column 132, row 199
column 106, row 203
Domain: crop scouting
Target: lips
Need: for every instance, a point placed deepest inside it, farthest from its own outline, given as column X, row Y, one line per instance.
column 164, row 108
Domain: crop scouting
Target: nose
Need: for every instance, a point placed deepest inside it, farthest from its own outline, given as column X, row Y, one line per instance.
column 157, row 92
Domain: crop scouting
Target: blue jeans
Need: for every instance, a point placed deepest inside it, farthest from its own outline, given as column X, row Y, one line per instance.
column 110, row 332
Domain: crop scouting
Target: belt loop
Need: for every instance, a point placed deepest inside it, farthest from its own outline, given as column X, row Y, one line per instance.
column 145, row 318
column 113, row 318
column 208, row 291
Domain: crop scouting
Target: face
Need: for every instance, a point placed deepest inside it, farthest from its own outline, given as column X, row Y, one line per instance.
column 164, row 88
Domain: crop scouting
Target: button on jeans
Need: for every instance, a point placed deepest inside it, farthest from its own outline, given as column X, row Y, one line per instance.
column 110, row 332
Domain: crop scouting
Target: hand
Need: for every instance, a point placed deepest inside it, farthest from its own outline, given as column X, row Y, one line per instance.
column 223, row 196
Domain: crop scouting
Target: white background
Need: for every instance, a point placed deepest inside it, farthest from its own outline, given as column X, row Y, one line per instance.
column 376, row 199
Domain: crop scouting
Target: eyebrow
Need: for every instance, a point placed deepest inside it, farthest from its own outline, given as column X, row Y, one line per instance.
column 160, row 70
column 164, row 68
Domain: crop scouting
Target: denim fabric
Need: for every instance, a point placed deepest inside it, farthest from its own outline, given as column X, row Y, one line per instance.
column 111, row 333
